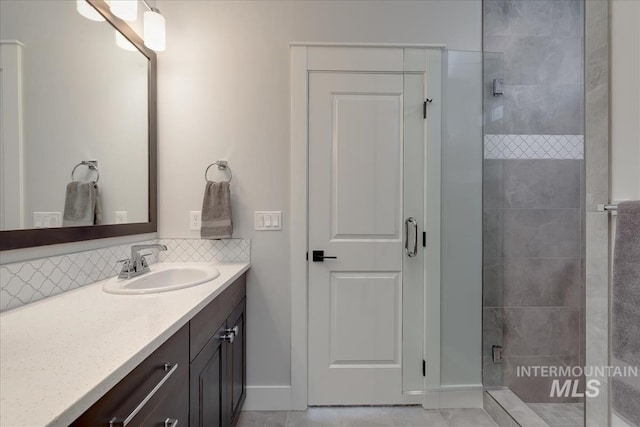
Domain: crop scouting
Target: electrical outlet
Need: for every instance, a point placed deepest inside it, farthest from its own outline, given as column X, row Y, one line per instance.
column 195, row 220
column 47, row 219
column 121, row 217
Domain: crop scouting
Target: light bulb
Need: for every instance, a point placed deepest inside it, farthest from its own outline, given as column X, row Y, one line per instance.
column 124, row 9
column 88, row 11
column 154, row 30
column 123, row 42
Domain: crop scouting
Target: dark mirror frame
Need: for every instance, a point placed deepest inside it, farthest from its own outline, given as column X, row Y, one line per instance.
column 16, row 239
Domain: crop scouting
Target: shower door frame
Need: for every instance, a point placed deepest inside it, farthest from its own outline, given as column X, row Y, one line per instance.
column 314, row 56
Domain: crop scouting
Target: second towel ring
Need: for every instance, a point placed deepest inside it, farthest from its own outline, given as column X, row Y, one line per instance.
column 92, row 165
column 223, row 165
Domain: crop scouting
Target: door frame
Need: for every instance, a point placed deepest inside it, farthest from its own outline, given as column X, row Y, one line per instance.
column 306, row 57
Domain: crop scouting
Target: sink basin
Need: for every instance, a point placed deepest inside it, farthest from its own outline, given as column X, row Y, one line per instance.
column 163, row 278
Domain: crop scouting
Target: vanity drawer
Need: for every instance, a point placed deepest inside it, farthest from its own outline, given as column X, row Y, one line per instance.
column 204, row 325
column 167, row 387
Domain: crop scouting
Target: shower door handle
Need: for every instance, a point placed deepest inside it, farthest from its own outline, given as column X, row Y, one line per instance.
column 413, row 252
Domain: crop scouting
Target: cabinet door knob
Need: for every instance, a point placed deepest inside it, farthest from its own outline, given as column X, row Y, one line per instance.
column 233, row 330
column 169, row 422
column 228, row 337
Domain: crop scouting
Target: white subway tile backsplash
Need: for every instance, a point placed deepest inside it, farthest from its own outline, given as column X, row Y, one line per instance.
column 29, row 281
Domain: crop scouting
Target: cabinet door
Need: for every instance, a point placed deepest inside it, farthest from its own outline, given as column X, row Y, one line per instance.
column 237, row 361
column 207, row 379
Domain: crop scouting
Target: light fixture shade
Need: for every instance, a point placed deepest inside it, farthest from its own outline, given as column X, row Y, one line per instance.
column 88, row 11
column 154, row 30
column 123, row 42
column 124, row 9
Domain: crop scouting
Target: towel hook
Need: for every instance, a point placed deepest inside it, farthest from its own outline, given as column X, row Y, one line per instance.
column 223, row 165
column 91, row 164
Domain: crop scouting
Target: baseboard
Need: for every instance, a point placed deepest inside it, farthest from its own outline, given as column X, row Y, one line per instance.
column 451, row 397
column 268, row 398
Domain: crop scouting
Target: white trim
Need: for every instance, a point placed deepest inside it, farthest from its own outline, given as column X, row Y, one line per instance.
column 392, row 45
column 268, row 398
column 16, row 42
column 433, row 157
column 12, row 187
column 298, row 223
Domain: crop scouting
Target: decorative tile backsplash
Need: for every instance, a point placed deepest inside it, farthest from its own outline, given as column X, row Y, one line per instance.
column 534, row 147
column 29, row 281
column 199, row 250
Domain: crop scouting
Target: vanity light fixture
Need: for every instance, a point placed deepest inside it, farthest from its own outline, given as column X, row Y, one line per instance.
column 88, row 11
column 154, row 29
column 126, row 10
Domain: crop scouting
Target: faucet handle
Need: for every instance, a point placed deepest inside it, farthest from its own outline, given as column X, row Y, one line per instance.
column 144, row 261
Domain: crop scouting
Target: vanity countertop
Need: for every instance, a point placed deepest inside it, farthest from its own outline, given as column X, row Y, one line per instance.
column 58, row 356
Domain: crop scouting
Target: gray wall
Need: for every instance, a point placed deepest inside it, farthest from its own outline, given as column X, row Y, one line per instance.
column 223, row 93
column 533, row 212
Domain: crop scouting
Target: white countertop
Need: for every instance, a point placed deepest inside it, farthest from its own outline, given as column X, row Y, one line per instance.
column 58, row 356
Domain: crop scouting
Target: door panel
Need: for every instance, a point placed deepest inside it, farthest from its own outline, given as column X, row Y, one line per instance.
column 355, row 214
column 365, row 324
column 366, row 155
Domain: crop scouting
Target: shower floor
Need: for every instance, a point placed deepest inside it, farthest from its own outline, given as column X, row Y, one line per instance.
column 560, row 414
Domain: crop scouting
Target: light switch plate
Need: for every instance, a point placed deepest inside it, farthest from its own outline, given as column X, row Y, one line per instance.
column 268, row 220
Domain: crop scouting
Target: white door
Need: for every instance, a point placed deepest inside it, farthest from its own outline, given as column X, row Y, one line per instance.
column 355, row 215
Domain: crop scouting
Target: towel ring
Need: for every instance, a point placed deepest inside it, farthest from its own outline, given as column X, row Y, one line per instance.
column 222, row 165
column 91, row 164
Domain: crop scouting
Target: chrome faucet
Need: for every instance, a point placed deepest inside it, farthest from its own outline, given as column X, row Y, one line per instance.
column 137, row 264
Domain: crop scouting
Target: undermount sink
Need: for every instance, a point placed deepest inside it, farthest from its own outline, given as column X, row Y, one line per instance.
column 163, row 277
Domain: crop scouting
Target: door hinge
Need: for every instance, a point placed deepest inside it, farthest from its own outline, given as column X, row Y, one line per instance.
column 424, row 107
column 424, row 368
column 424, row 239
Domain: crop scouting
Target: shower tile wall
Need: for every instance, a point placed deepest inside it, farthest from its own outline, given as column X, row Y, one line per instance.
column 533, row 174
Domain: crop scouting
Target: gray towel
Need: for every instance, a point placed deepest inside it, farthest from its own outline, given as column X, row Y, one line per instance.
column 216, row 211
column 626, row 284
column 625, row 310
column 82, row 205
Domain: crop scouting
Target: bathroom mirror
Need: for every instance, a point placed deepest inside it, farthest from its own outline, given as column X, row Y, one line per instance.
column 74, row 100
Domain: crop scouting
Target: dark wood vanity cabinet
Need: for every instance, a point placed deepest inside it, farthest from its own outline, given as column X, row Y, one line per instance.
column 155, row 393
column 196, row 378
column 217, row 372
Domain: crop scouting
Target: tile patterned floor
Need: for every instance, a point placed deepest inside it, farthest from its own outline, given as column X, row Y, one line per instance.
column 391, row 416
column 560, row 414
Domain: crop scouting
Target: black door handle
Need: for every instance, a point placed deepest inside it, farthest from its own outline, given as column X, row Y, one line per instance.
column 318, row 256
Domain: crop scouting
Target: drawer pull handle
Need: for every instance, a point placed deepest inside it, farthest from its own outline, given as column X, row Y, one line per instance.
column 170, row 423
column 117, row 422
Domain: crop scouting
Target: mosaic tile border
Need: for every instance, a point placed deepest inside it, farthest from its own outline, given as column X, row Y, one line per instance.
column 30, row 281
column 534, row 146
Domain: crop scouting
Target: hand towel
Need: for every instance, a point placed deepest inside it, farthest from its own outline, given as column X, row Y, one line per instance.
column 81, row 205
column 625, row 308
column 216, row 211
column 626, row 284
